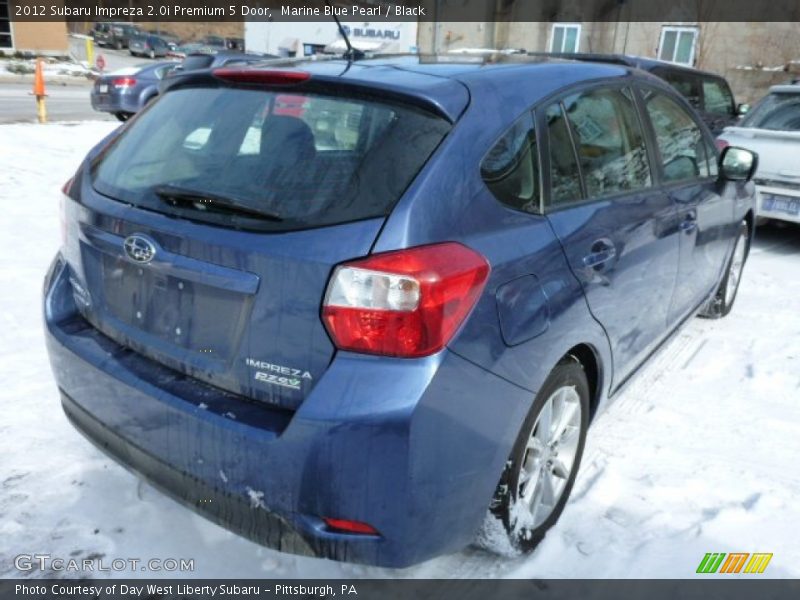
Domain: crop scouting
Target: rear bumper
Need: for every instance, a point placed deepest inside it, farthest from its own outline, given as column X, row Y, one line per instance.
column 115, row 103
column 414, row 448
column 227, row 510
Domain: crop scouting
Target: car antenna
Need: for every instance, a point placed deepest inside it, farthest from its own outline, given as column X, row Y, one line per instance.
column 352, row 53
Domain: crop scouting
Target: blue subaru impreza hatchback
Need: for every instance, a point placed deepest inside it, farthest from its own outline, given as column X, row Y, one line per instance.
column 366, row 311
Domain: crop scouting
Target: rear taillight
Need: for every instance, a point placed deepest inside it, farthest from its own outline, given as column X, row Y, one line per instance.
column 346, row 526
column 722, row 144
column 65, row 189
column 407, row 303
column 123, row 82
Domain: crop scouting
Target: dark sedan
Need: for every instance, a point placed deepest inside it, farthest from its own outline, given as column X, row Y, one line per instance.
column 114, row 35
column 214, row 60
column 148, row 45
column 125, row 92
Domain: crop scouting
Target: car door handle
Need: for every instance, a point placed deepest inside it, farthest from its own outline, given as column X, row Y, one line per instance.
column 689, row 223
column 603, row 251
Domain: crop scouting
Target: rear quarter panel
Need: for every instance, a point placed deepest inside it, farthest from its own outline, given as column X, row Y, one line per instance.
column 450, row 202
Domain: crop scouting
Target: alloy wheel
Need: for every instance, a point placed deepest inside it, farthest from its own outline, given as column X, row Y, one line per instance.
column 550, row 454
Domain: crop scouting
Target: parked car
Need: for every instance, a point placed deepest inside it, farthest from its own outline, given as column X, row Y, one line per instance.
column 148, row 45
column 173, row 41
column 184, row 50
column 367, row 349
column 772, row 129
column 126, row 91
column 708, row 93
column 213, row 60
column 235, row 43
column 213, row 41
column 115, row 35
column 223, row 43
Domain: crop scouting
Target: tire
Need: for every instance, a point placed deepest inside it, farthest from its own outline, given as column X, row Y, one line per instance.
column 534, row 457
column 118, row 45
column 723, row 300
column 121, row 116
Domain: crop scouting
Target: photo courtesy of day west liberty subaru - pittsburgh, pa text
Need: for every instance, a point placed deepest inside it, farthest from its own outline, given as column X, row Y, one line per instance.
column 149, row 590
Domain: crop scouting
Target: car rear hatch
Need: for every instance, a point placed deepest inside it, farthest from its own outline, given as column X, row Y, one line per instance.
column 106, row 86
column 204, row 235
column 138, row 44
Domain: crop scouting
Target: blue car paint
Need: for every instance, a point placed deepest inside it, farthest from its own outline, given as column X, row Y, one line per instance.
column 128, row 100
column 412, row 447
column 294, row 267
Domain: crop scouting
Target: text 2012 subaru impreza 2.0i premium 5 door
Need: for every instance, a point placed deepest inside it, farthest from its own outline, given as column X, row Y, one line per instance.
column 373, row 328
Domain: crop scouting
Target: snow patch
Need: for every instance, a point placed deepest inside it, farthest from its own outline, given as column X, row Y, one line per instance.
column 671, row 468
column 256, row 498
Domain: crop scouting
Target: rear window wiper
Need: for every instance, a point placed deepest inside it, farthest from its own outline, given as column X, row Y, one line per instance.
column 199, row 200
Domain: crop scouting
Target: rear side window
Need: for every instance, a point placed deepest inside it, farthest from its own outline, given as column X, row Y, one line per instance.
column 717, row 98
column 679, row 139
column 511, row 168
column 242, row 158
column 565, row 185
column 609, row 141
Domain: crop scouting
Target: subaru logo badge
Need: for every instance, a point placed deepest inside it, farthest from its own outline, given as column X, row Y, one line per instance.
column 139, row 249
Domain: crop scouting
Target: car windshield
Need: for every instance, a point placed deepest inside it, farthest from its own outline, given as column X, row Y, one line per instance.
column 309, row 160
column 778, row 111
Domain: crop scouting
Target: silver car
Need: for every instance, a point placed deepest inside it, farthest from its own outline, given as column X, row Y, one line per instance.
column 772, row 130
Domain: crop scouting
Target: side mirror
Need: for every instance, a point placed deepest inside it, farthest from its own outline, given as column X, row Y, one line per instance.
column 742, row 110
column 737, row 164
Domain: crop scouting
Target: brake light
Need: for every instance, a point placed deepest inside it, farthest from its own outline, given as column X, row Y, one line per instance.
column 722, row 144
column 345, row 526
column 121, row 82
column 262, row 76
column 407, row 303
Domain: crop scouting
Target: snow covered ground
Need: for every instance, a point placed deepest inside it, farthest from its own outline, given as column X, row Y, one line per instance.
column 700, row 454
column 50, row 68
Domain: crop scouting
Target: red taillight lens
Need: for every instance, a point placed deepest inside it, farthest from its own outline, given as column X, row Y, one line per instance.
column 407, row 303
column 122, row 82
column 722, row 144
column 345, row 526
column 262, row 76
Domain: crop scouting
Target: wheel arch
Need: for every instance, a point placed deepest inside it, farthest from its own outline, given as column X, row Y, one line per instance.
column 591, row 362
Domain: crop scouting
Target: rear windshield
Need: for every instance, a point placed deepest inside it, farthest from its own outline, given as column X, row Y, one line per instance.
column 780, row 112
column 264, row 160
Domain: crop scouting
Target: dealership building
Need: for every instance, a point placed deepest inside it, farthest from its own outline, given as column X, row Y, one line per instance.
column 309, row 38
column 48, row 38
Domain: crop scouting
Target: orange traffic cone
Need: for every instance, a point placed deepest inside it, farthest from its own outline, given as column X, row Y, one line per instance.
column 38, row 91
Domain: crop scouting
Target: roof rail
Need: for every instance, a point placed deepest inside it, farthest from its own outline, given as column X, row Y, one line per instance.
column 619, row 59
column 480, row 51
